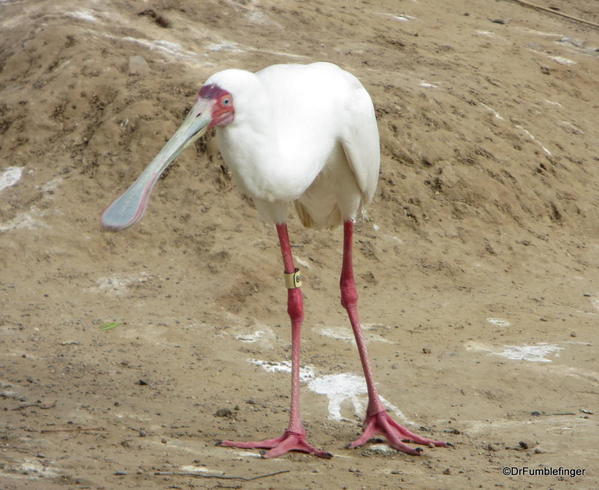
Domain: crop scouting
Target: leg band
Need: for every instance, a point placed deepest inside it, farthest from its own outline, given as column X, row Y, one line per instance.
column 293, row 279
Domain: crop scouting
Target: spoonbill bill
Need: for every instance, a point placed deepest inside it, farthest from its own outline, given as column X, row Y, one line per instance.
column 291, row 134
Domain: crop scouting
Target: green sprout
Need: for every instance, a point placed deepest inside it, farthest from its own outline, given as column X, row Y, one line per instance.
column 109, row 326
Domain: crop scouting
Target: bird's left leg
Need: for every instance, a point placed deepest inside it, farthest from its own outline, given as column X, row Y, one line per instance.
column 378, row 421
column 294, row 438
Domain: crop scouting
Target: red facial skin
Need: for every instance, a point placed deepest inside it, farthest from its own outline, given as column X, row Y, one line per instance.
column 223, row 111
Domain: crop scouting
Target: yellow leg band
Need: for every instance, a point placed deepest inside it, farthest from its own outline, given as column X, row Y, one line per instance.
column 293, row 279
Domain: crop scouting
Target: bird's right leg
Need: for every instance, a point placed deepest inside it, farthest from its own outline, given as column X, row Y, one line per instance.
column 294, row 438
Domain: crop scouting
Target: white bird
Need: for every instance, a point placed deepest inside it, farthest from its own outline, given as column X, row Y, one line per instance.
column 301, row 134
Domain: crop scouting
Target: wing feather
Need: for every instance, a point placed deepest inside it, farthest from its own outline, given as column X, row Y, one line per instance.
column 360, row 140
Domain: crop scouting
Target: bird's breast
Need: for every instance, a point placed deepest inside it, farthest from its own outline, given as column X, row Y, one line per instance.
column 269, row 167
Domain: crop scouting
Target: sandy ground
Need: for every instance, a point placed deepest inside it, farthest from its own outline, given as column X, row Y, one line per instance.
column 124, row 355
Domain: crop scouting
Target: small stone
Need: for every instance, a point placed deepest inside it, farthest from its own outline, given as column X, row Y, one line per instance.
column 223, row 412
column 426, row 350
column 142, row 382
column 447, row 471
column 527, row 444
column 572, row 334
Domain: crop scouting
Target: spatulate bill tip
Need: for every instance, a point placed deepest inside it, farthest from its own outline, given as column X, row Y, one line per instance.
column 111, row 226
column 112, row 223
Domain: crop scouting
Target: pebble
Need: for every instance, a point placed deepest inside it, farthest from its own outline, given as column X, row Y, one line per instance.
column 223, row 412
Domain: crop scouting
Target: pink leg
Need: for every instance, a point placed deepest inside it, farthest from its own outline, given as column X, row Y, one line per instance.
column 378, row 421
column 294, row 438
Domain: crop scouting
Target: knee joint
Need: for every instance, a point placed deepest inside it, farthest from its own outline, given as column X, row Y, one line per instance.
column 349, row 294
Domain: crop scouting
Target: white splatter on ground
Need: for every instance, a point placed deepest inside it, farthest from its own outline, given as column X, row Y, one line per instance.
column 175, row 50
column 529, row 134
column 225, row 46
column 345, row 389
column 165, row 47
column 397, row 17
column 345, row 334
column 199, row 469
column 531, row 353
column 118, row 286
column 404, row 18
column 570, row 126
column 28, row 221
column 499, row 322
column 306, row 372
column 563, row 61
column 251, row 337
column 558, row 59
column 495, row 113
column 265, row 337
column 83, row 15
column 428, row 85
column 339, row 389
column 539, row 33
column 302, row 262
column 35, row 469
column 10, row 177
column 519, row 127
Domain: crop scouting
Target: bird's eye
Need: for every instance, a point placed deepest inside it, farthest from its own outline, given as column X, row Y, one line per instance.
column 226, row 101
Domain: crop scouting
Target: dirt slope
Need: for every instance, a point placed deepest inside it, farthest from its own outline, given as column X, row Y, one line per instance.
column 477, row 266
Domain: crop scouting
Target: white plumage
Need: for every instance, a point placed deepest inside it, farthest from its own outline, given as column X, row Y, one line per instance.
column 305, row 134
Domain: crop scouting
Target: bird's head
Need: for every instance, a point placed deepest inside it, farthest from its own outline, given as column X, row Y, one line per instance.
column 215, row 106
column 219, row 102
